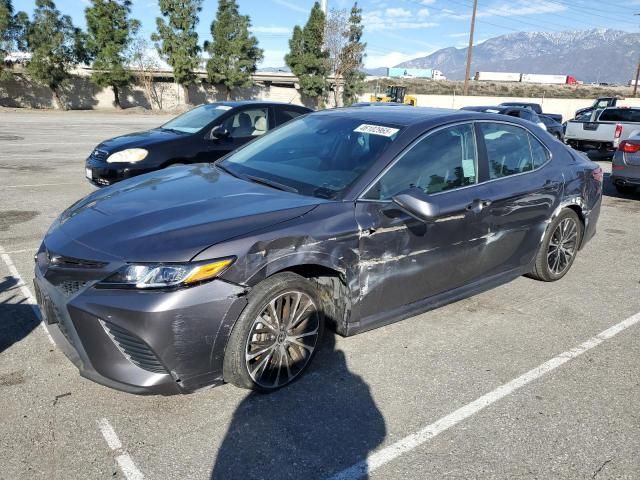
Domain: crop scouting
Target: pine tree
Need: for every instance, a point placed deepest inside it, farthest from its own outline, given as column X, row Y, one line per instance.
column 354, row 58
column 56, row 46
column 6, row 29
column 234, row 52
column 307, row 57
column 109, row 32
column 179, row 40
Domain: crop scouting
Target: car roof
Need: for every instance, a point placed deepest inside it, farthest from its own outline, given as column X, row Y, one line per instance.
column 515, row 104
column 242, row 103
column 396, row 116
column 497, row 108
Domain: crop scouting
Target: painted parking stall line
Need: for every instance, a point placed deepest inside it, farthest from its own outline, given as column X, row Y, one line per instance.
column 410, row 442
column 26, row 293
column 125, row 462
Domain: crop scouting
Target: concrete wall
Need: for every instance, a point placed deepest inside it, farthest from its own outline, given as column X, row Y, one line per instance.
column 564, row 106
column 81, row 94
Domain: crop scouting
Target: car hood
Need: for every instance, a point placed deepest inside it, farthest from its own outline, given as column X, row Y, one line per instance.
column 170, row 215
column 140, row 140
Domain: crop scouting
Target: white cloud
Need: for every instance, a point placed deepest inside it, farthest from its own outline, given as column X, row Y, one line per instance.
column 271, row 29
column 292, row 6
column 428, row 2
column 377, row 20
column 397, row 12
column 511, row 9
column 391, row 59
column 423, row 12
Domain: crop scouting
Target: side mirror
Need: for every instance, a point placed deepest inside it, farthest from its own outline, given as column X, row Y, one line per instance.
column 219, row 132
column 415, row 203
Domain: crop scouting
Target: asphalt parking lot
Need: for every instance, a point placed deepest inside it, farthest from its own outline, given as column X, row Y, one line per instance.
column 430, row 397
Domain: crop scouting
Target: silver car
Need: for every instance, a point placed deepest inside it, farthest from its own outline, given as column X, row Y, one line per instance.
column 625, row 167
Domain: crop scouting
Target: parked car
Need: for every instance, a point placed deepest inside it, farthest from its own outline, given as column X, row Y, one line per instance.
column 202, row 134
column 554, row 128
column 519, row 112
column 536, row 107
column 352, row 218
column 605, row 129
column 625, row 167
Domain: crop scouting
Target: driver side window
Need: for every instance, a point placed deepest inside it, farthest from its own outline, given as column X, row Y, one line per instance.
column 248, row 123
column 444, row 160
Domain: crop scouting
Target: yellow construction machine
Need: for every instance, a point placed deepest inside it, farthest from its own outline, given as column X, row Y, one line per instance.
column 395, row 94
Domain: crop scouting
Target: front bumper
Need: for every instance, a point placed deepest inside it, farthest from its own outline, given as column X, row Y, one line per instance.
column 102, row 174
column 143, row 342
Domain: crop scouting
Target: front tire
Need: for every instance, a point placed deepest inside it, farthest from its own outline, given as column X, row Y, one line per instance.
column 559, row 247
column 276, row 336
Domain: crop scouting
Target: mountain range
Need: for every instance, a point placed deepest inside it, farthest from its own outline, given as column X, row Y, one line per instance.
column 598, row 55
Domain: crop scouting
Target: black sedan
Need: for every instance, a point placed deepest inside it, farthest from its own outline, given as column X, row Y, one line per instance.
column 203, row 134
column 553, row 127
column 350, row 218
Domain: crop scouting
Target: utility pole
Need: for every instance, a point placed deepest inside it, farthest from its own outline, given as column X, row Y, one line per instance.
column 635, row 85
column 470, row 50
column 324, row 6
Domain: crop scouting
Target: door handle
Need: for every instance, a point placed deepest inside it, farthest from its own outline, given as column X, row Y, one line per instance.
column 478, row 205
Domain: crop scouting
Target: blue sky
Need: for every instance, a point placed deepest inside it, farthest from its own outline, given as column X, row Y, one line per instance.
column 398, row 30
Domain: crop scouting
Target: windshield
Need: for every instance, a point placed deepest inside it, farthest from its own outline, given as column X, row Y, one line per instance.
column 320, row 156
column 195, row 120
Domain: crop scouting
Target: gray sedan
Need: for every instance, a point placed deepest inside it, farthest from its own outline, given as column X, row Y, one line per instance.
column 350, row 219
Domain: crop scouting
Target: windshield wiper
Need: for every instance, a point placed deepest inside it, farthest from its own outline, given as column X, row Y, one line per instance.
column 172, row 130
column 270, row 183
column 226, row 170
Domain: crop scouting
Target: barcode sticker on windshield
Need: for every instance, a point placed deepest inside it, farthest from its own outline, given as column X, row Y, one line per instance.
column 377, row 130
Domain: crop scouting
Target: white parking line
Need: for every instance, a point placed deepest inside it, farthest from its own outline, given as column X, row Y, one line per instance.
column 124, row 460
column 393, row 451
column 26, row 293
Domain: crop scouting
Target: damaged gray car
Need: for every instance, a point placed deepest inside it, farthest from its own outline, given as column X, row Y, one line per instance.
column 349, row 219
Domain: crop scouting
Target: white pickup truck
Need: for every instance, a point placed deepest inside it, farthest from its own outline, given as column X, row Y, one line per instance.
column 603, row 130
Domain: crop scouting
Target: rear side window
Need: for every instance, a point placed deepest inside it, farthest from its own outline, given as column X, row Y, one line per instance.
column 620, row 115
column 442, row 161
column 511, row 150
column 284, row 115
column 539, row 153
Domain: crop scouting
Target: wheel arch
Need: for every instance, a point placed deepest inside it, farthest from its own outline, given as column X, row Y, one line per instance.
column 328, row 277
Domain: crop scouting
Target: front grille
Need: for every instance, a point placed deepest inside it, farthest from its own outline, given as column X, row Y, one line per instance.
column 100, row 155
column 71, row 262
column 134, row 348
column 70, row 288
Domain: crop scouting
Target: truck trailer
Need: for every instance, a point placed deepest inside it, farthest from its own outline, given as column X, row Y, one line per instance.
column 525, row 78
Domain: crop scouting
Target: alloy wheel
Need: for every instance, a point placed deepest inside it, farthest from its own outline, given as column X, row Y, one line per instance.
column 562, row 246
column 282, row 339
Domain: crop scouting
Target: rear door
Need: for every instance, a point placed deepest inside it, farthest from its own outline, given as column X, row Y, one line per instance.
column 286, row 113
column 524, row 188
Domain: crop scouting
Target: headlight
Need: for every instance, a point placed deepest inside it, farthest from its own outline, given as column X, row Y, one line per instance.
column 131, row 155
column 165, row 275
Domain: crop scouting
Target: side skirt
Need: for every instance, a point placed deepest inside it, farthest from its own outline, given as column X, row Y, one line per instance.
column 385, row 318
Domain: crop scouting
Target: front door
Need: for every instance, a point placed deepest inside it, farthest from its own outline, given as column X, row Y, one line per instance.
column 404, row 260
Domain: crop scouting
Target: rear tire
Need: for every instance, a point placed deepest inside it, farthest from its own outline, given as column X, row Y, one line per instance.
column 625, row 189
column 276, row 336
column 559, row 247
